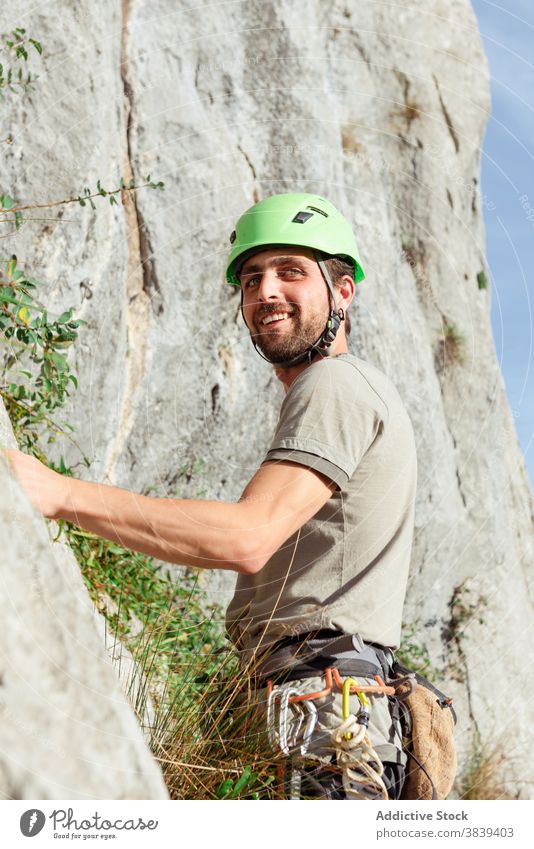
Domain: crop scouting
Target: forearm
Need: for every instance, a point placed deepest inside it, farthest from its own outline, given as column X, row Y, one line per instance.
column 242, row 536
column 209, row 534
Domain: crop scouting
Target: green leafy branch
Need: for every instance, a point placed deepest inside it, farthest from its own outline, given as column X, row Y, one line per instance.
column 19, row 44
column 11, row 211
column 36, row 375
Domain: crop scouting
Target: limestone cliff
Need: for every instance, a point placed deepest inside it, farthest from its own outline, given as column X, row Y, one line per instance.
column 66, row 730
column 380, row 108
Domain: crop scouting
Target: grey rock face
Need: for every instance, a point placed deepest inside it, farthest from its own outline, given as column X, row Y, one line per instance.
column 66, row 729
column 382, row 111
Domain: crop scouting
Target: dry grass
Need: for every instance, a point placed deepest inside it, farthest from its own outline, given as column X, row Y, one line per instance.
column 450, row 348
column 486, row 775
column 209, row 733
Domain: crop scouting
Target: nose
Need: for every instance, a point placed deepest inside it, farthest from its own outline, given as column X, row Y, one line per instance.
column 269, row 286
column 267, row 289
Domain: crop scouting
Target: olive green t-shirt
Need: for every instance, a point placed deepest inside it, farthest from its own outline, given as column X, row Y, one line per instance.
column 347, row 568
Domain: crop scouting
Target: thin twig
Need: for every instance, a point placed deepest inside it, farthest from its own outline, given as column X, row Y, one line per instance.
column 72, row 200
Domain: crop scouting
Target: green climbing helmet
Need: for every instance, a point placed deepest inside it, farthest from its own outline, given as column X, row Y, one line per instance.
column 301, row 220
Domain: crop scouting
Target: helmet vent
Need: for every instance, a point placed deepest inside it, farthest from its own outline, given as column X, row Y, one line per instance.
column 302, row 217
column 320, row 211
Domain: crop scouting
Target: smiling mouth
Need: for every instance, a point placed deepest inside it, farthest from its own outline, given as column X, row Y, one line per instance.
column 273, row 319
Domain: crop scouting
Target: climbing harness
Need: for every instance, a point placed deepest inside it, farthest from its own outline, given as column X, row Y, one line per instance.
column 423, row 712
column 361, row 767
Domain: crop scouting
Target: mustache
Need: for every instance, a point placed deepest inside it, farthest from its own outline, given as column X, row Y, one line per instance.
column 280, row 306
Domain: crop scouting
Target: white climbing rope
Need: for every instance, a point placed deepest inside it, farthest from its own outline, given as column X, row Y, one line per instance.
column 362, row 769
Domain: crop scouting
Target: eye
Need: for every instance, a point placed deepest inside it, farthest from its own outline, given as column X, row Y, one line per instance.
column 251, row 281
column 291, row 272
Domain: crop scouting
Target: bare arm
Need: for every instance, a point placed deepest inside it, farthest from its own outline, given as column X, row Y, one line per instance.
column 240, row 536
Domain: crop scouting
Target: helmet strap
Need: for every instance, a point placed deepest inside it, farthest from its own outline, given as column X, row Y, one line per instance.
column 323, row 345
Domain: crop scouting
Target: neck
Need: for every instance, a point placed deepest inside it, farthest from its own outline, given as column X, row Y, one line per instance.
column 287, row 375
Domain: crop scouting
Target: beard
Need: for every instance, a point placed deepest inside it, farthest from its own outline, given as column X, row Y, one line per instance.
column 293, row 338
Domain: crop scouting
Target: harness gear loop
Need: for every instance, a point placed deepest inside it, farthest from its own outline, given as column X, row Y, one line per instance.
column 302, row 697
column 380, row 688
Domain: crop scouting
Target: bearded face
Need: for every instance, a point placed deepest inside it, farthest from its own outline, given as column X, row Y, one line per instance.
column 284, row 301
column 285, row 330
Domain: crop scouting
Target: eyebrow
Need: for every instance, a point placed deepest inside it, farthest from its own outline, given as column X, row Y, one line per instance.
column 274, row 262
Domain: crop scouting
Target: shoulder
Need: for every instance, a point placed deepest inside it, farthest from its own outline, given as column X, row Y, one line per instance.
column 349, row 378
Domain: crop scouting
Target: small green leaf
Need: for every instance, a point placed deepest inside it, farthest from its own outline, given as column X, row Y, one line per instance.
column 241, row 783
column 64, row 317
column 224, row 788
column 7, row 202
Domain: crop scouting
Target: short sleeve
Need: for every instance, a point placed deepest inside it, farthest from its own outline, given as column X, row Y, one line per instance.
column 329, row 419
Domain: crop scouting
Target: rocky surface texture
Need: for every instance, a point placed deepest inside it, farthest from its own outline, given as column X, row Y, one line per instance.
column 382, row 109
column 66, row 729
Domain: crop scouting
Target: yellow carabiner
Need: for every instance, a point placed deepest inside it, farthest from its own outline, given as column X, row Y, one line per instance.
column 345, row 702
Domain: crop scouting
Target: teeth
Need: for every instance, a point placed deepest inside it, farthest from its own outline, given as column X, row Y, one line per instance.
column 277, row 317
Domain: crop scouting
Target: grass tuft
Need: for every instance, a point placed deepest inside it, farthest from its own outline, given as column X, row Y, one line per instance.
column 486, row 775
column 450, row 349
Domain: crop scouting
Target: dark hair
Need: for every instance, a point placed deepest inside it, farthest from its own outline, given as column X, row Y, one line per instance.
column 337, row 268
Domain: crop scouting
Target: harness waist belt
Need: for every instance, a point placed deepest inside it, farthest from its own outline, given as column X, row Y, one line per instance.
column 300, row 657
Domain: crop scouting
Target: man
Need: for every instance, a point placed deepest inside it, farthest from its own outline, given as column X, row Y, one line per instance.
column 321, row 537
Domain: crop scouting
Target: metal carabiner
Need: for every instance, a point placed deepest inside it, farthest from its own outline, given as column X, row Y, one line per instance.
column 283, row 717
column 272, row 733
column 310, row 725
column 282, row 730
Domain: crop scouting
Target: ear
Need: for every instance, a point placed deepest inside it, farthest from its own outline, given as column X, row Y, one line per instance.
column 345, row 291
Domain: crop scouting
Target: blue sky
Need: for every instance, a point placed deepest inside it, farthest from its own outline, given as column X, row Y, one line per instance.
column 508, row 181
